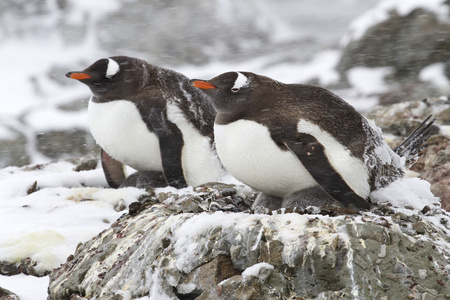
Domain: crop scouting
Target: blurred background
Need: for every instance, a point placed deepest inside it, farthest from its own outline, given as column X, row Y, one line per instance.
column 368, row 52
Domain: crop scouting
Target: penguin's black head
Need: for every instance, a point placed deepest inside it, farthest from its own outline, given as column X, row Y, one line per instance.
column 228, row 91
column 112, row 78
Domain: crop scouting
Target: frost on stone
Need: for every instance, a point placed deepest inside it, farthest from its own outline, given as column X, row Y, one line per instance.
column 163, row 252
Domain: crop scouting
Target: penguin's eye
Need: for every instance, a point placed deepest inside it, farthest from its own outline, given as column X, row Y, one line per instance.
column 235, row 90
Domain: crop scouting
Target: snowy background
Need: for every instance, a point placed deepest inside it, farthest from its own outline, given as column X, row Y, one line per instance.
column 290, row 40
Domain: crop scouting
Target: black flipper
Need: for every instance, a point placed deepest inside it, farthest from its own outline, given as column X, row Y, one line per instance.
column 312, row 155
column 170, row 143
column 113, row 170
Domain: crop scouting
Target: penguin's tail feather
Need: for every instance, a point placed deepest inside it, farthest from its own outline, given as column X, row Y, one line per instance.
column 412, row 147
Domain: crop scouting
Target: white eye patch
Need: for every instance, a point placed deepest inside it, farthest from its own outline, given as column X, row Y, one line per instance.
column 240, row 82
column 113, row 68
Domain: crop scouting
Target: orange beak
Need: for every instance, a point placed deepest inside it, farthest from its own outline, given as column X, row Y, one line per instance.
column 78, row 75
column 203, row 85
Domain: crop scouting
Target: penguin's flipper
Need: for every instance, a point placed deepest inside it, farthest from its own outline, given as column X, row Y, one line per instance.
column 113, row 170
column 170, row 145
column 312, row 155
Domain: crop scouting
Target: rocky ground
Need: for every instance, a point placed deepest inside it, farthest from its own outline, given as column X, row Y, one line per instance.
column 211, row 245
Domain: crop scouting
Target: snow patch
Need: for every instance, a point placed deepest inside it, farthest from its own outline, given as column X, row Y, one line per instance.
column 62, row 211
column 412, row 192
column 435, row 74
column 256, row 269
column 36, row 287
column 369, row 80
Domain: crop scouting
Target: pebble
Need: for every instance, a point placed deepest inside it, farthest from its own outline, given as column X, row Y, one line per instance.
column 422, row 273
column 382, row 252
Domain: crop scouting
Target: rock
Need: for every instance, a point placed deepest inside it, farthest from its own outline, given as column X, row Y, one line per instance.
column 402, row 42
column 201, row 280
column 72, row 143
column 25, row 266
column 389, row 43
column 86, row 164
column 7, row 295
column 14, row 150
column 164, row 249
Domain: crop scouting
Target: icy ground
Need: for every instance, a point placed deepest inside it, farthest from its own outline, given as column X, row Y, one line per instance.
column 47, row 221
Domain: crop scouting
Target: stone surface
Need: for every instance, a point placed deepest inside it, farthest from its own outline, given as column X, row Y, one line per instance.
column 165, row 248
column 13, row 151
column 7, row 295
column 402, row 42
column 61, row 143
column 406, row 44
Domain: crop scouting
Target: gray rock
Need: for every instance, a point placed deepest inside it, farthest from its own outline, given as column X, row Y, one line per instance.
column 406, row 44
column 14, row 150
column 7, row 295
column 60, row 144
column 402, row 42
column 162, row 250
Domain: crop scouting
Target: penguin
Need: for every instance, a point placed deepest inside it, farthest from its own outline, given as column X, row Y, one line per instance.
column 151, row 119
column 301, row 145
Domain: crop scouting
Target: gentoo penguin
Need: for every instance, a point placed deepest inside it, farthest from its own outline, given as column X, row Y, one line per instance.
column 152, row 120
column 301, row 145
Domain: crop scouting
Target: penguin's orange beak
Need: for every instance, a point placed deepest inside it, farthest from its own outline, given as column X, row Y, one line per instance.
column 202, row 84
column 78, row 75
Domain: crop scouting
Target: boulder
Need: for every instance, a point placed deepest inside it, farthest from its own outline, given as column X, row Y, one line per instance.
column 66, row 143
column 165, row 250
column 406, row 41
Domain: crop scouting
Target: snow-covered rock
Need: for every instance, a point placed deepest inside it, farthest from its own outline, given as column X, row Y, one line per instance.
column 410, row 38
column 162, row 252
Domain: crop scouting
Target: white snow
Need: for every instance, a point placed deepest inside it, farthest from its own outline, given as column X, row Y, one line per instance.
column 434, row 74
column 256, row 269
column 25, row 286
column 413, row 192
column 68, row 208
column 368, row 80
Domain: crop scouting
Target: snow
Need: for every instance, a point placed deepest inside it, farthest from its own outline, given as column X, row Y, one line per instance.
column 435, row 74
column 25, row 286
column 256, row 269
column 68, row 208
column 412, row 192
column 368, row 80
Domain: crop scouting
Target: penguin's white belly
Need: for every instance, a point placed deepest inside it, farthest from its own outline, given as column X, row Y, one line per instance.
column 248, row 152
column 118, row 128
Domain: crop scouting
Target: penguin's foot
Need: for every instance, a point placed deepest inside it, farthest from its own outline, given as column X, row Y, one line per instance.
column 144, row 179
column 313, row 196
column 268, row 201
